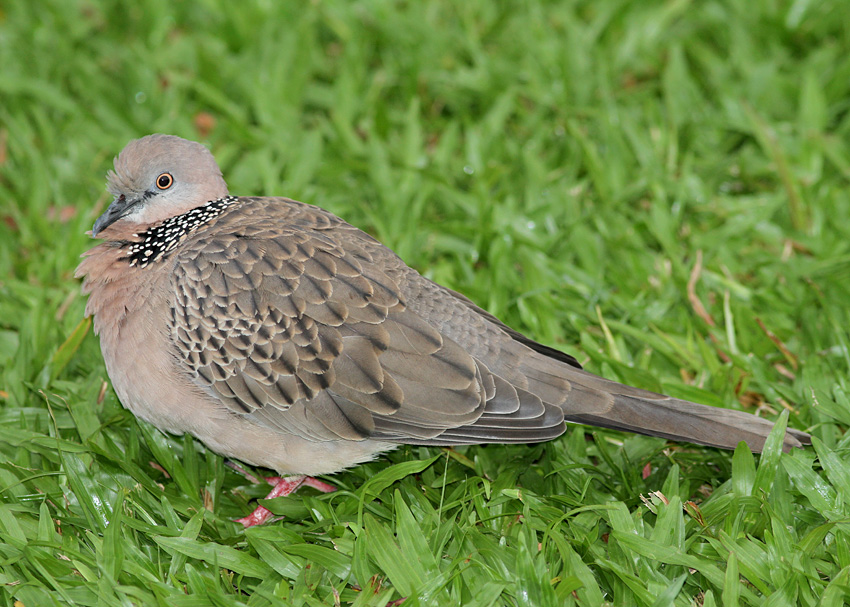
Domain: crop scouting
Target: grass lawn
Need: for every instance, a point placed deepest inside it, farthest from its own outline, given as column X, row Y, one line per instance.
column 659, row 188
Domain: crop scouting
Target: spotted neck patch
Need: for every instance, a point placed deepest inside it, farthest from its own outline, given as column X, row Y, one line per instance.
column 157, row 242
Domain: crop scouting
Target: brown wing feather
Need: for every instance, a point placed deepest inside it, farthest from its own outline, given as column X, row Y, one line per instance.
column 289, row 321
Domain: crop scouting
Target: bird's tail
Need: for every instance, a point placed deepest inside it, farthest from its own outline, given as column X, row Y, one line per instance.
column 621, row 407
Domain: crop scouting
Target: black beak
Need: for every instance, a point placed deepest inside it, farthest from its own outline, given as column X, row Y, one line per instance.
column 119, row 207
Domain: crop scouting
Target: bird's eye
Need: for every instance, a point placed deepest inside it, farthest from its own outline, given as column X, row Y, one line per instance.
column 164, row 181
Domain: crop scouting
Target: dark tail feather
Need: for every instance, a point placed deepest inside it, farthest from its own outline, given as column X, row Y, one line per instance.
column 680, row 420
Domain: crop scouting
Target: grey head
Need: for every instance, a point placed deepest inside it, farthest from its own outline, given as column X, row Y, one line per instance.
column 160, row 176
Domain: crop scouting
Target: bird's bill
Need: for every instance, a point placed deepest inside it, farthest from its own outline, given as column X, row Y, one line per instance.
column 118, row 209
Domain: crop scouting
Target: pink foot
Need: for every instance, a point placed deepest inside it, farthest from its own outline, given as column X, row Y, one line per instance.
column 282, row 486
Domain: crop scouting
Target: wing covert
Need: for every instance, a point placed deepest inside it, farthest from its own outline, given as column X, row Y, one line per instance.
column 292, row 323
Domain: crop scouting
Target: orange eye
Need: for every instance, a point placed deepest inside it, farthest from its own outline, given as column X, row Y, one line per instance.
column 164, row 181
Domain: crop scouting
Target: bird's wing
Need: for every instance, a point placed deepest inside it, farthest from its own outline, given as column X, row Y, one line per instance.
column 283, row 312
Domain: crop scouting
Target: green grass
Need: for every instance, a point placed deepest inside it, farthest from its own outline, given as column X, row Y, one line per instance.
column 563, row 164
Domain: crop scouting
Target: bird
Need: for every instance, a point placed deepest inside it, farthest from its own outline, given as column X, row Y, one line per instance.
column 281, row 336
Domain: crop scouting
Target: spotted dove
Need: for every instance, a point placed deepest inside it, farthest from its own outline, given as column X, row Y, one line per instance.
column 280, row 335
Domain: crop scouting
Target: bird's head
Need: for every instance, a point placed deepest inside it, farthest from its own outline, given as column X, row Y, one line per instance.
column 157, row 177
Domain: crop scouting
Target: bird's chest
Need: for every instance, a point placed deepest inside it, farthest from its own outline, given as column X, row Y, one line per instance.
column 135, row 338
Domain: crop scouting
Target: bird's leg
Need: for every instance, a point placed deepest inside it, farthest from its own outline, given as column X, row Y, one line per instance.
column 319, row 485
column 282, row 486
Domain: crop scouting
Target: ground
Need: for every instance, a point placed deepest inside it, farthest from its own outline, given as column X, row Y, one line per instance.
column 658, row 188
